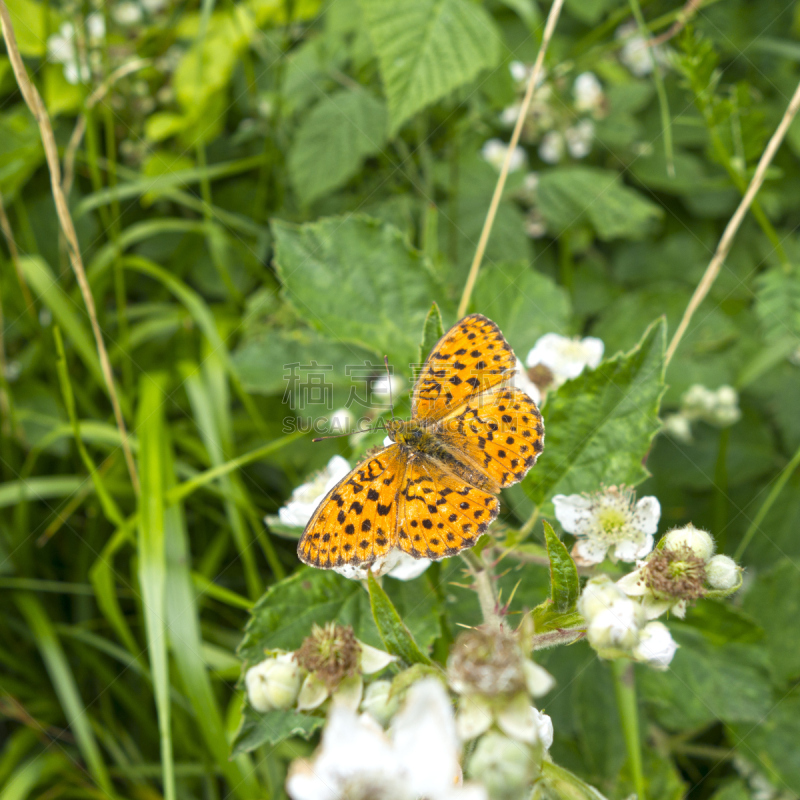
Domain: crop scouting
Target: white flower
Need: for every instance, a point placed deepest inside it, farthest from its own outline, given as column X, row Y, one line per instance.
column 274, row 683
column 521, row 381
column 381, row 386
column 341, row 421
column 566, row 358
column 153, row 6
column 718, row 407
column 617, row 627
column 700, row 542
column 656, row 646
column 551, row 148
column 579, row 138
column 127, row 13
column 634, row 54
column 494, row 151
column 508, row 116
column 722, row 573
column 679, row 427
column 418, row 758
column 544, row 728
column 61, row 45
column 521, row 73
column 609, row 519
column 588, row 92
column 654, row 605
column 395, row 563
column 96, row 26
column 306, row 497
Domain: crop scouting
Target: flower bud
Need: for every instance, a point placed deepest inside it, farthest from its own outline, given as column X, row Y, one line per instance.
column 616, row 628
column 656, row 646
column 503, row 766
column 699, row 542
column 377, row 702
column 597, row 596
column 544, row 728
column 274, row 683
column 722, row 572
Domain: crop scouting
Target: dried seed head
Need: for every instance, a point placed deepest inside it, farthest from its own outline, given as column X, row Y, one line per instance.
column 677, row 572
column 331, row 653
column 488, row 661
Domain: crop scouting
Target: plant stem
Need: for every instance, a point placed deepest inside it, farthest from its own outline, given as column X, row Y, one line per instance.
column 483, row 588
column 625, row 691
column 786, row 473
column 530, row 523
column 549, row 27
column 725, row 242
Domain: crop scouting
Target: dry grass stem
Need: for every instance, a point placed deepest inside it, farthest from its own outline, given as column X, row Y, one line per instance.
column 726, row 240
column 35, row 104
column 550, row 26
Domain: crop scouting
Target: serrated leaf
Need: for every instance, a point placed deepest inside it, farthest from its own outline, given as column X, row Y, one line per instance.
column 565, row 585
column 272, row 727
column 599, row 426
column 524, row 303
column 427, row 48
column 395, row 635
column 432, row 331
column 359, row 281
column 570, row 196
column 333, row 140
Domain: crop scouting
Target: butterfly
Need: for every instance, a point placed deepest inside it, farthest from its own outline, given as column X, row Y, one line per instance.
column 433, row 491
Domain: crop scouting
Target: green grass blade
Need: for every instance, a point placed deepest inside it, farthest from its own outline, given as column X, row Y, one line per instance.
column 65, row 686
column 152, row 560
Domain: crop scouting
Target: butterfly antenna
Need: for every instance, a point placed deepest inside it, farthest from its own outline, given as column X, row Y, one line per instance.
column 389, row 380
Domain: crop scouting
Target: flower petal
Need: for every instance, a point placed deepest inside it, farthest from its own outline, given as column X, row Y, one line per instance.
column 374, row 660
column 572, row 510
column 593, row 351
column 634, row 549
column 348, row 693
column 408, row 567
column 538, row 680
column 516, row 719
column 633, row 584
column 313, row 693
column 590, row 551
column 647, row 513
column 474, row 716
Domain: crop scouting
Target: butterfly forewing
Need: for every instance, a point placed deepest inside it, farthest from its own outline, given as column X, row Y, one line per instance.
column 469, row 359
column 439, row 513
column 356, row 522
column 500, row 433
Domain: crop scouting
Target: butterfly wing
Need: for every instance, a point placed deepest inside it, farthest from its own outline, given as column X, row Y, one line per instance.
column 356, row 521
column 499, row 433
column 472, row 357
column 439, row 513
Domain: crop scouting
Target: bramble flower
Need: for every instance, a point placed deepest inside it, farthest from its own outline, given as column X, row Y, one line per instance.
column 579, row 138
column 306, row 497
column 634, row 54
column 565, row 358
column 381, row 386
column 419, row 757
column 521, row 380
column 588, row 93
column 494, row 151
column 341, row 420
column 609, row 519
column 718, row 407
column 617, row 626
column 335, row 662
column 551, row 148
column 61, row 49
column 678, row 427
column 683, row 568
column 127, row 13
column 495, row 680
column 273, row 683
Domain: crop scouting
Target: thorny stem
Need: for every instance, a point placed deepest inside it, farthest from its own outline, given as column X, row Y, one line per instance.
column 482, row 578
column 625, row 691
column 36, row 105
column 732, row 227
column 550, row 26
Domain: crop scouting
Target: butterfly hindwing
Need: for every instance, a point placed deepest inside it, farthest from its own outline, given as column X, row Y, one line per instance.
column 356, row 522
column 500, row 433
column 472, row 357
column 439, row 513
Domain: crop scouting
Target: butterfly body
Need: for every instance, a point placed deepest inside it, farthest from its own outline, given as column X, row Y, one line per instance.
column 432, row 491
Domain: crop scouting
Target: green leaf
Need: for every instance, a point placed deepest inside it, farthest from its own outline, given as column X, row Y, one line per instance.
column 432, row 331
column 599, row 426
column 333, row 140
column 358, row 281
column 565, row 585
column 557, row 782
column 771, row 745
column 707, row 682
column 778, row 302
column 427, row 48
column 394, row 634
column 524, row 303
column 774, row 602
column 570, row 196
column 272, row 728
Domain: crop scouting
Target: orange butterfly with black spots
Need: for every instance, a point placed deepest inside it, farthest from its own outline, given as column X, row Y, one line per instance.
column 432, row 492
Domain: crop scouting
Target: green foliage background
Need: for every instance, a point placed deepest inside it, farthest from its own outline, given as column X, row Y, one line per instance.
column 281, row 181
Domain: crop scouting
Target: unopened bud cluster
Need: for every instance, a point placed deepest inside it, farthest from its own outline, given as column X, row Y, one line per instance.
column 717, row 407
